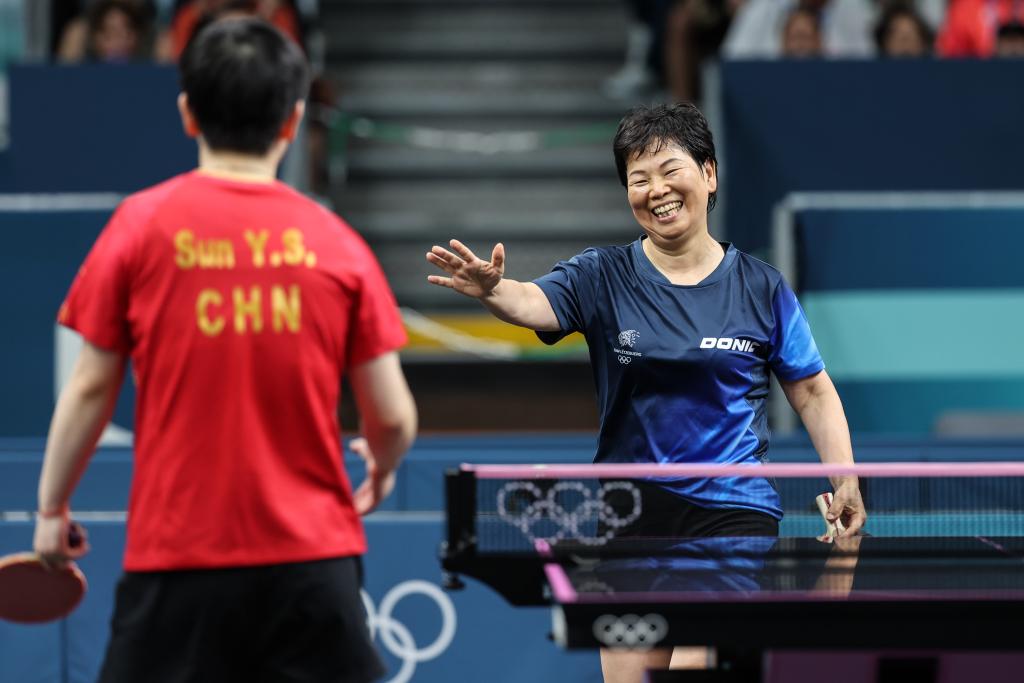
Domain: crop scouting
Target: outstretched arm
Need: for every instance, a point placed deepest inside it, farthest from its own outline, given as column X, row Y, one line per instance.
column 519, row 303
column 816, row 401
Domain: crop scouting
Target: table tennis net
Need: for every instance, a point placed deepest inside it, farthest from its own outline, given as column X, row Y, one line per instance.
column 557, row 505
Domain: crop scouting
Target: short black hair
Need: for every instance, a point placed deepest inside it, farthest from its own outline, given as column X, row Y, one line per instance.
column 1010, row 30
column 242, row 78
column 649, row 129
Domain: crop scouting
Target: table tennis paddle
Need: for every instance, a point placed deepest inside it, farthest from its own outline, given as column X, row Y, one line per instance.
column 31, row 593
column 832, row 529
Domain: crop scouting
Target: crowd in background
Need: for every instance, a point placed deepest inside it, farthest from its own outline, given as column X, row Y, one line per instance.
column 668, row 42
column 120, row 31
column 127, row 31
column 672, row 38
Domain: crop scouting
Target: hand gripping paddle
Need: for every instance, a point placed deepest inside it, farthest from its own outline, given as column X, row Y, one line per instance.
column 30, row 593
column 824, row 502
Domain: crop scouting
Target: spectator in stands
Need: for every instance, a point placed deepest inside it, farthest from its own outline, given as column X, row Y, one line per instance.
column 643, row 68
column 972, row 26
column 902, row 32
column 694, row 31
column 190, row 14
column 801, row 34
column 757, row 31
column 666, row 44
column 110, row 32
column 1010, row 40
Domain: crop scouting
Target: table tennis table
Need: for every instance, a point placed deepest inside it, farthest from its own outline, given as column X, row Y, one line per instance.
column 755, row 595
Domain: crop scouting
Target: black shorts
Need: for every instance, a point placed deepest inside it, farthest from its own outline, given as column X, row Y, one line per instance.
column 664, row 514
column 287, row 622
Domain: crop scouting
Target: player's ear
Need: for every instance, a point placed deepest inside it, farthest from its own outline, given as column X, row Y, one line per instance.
column 711, row 173
column 291, row 125
column 188, row 119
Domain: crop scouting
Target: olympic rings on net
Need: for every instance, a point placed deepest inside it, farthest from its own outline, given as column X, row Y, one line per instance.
column 630, row 630
column 543, row 507
column 396, row 637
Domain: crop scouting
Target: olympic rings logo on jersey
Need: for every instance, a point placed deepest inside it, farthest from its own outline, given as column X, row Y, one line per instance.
column 525, row 506
column 396, row 637
column 631, row 630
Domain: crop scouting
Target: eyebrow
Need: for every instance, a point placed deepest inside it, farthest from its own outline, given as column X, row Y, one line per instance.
column 665, row 163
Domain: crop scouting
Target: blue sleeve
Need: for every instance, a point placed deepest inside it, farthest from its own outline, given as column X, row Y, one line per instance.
column 571, row 288
column 793, row 355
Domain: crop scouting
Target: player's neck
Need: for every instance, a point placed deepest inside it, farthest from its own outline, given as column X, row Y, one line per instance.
column 235, row 166
column 688, row 263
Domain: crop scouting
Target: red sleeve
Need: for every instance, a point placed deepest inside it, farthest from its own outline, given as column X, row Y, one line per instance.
column 375, row 327
column 97, row 303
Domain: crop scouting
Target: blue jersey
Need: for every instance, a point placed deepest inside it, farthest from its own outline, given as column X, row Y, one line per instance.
column 682, row 371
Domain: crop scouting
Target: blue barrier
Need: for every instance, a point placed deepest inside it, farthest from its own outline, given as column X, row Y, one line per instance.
column 474, row 633
column 419, row 482
column 825, row 125
column 43, row 251
column 911, row 299
column 93, row 129
column 491, row 640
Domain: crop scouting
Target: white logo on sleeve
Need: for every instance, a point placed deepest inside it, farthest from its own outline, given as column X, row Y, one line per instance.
column 728, row 344
column 628, row 339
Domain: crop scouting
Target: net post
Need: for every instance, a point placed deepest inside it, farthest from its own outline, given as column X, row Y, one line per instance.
column 460, row 519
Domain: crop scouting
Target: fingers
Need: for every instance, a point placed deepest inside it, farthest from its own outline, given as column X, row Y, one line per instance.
column 848, row 511
column 444, row 259
column 370, row 493
column 462, row 250
column 77, row 541
column 498, row 257
column 363, row 499
column 441, row 281
column 78, row 551
column 53, row 562
column 52, row 541
column 360, row 447
column 854, row 523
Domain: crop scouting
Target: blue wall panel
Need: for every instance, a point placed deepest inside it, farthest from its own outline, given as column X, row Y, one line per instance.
column 915, row 310
column 42, row 253
column 864, row 125
column 93, row 129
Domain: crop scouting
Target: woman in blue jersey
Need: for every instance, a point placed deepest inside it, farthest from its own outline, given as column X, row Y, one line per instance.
column 683, row 332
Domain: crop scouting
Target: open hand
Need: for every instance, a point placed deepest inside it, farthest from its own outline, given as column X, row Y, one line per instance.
column 468, row 274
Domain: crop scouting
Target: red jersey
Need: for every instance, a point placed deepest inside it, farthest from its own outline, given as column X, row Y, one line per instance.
column 241, row 305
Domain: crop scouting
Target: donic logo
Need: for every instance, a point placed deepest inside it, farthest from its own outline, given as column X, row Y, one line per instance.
column 728, row 344
column 628, row 338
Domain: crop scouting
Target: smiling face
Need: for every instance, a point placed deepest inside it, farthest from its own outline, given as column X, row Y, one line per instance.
column 668, row 193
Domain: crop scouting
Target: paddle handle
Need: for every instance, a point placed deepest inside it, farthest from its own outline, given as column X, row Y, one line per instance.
column 824, row 502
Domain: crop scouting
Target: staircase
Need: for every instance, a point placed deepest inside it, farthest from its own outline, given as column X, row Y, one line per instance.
column 519, row 83
column 447, row 75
